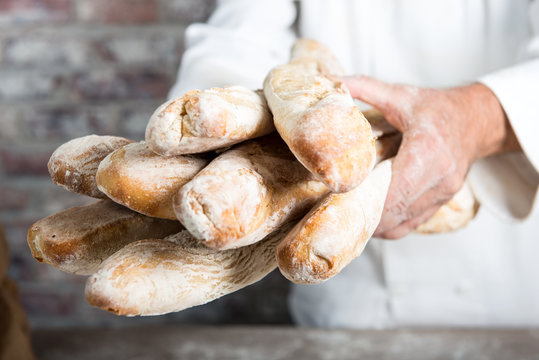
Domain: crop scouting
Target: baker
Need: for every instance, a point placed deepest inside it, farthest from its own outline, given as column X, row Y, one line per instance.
column 469, row 109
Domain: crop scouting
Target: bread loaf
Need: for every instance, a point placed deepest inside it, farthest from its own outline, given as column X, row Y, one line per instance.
column 136, row 177
column 78, row 239
column 203, row 120
column 335, row 231
column 74, row 164
column 246, row 193
column 152, row 277
column 317, row 118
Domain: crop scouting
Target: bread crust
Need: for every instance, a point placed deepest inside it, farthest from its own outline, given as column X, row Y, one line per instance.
column 74, row 164
column 246, row 193
column 153, row 277
column 78, row 239
column 335, row 231
column 138, row 178
column 317, row 118
column 203, row 120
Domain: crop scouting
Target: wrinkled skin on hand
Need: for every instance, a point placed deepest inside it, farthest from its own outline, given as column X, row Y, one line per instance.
column 444, row 132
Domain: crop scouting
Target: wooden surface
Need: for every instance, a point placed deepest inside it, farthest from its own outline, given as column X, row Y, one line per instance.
column 202, row 342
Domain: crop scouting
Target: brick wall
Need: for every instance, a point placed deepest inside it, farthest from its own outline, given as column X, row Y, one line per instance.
column 69, row 68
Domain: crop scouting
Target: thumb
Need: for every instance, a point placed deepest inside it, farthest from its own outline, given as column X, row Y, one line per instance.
column 374, row 92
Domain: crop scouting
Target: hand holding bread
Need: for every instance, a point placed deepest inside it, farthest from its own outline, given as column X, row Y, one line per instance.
column 238, row 208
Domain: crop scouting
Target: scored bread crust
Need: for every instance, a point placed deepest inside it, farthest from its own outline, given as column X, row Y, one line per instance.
column 317, row 118
column 138, row 178
column 78, row 239
column 246, row 193
column 74, row 164
column 335, row 231
column 153, row 277
column 338, row 228
column 203, row 120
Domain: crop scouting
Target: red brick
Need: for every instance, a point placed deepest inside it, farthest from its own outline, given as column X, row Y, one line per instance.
column 43, row 51
column 108, row 85
column 142, row 47
column 50, row 301
column 12, row 198
column 65, row 122
column 117, row 11
column 24, row 161
column 133, row 120
column 187, row 11
column 13, row 12
column 28, row 85
column 10, row 120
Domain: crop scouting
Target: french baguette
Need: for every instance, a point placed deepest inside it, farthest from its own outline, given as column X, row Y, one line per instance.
column 78, row 239
column 317, row 118
column 152, row 277
column 338, row 228
column 138, row 178
column 335, row 231
column 74, row 164
column 246, row 193
column 203, row 120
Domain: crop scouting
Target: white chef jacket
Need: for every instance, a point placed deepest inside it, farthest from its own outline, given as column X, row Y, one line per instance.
column 484, row 275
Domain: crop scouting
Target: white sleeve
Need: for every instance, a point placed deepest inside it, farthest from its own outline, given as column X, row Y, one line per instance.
column 240, row 43
column 508, row 184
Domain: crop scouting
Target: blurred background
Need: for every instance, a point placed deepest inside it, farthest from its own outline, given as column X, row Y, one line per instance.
column 70, row 68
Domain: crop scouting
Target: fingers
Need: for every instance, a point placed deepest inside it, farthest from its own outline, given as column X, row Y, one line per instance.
column 408, row 226
column 390, row 99
column 422, row 180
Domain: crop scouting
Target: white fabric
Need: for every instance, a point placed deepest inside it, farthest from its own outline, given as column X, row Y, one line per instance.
column 483, row 275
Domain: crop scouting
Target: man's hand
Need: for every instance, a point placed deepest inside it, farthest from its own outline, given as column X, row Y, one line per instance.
column 444, row 132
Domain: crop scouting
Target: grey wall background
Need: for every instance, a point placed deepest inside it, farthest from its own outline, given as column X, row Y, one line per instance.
column 70, row 68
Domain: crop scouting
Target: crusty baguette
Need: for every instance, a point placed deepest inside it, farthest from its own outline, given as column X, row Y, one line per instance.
column 138, row 178
column 152, row 277
column 74, row 164
column 246, row 193
column 78, row 239
column 203, row 120
column 317, row 118
column 335, row 231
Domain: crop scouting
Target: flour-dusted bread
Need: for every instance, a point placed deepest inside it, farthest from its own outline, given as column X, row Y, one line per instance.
column 317, row 118
column 138, row 178
column 203, row 120
column 152, row 277
column 78, row 239
column 246, row 193
column 335, row 231
column 74, row 164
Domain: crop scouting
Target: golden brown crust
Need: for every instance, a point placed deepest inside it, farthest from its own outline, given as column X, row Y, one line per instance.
column 146, row 182
column 203, row 120
column 158, row 276
column 335, row 231
column 78, row 239
column 246, row 193
column 316, row 117
column 74, row 164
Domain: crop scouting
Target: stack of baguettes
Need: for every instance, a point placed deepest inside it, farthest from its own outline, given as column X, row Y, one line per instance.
column 178, row 224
